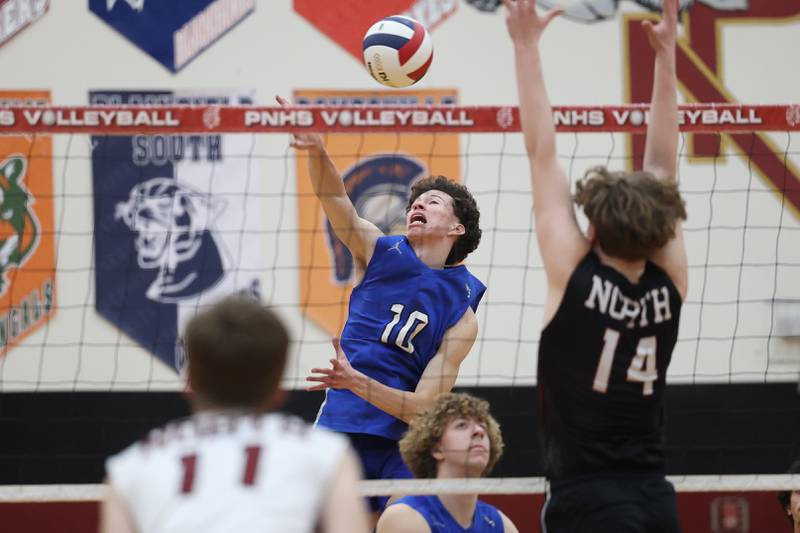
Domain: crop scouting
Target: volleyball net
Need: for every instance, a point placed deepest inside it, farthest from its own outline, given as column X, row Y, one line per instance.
column 121, row 221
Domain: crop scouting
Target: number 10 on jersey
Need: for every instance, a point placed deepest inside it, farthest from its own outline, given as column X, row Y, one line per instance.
column 416, row 320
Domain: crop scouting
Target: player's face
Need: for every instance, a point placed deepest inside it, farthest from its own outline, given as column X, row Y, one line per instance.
column 794, row 507
column 465, row 447
column 432, row 214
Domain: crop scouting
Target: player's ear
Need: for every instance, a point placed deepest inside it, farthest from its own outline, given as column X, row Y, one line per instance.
column 437, row 453
column 458, row 229
column 591, row 233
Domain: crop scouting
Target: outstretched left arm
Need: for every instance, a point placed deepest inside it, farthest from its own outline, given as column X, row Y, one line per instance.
column 661, row 147
column 439, row 376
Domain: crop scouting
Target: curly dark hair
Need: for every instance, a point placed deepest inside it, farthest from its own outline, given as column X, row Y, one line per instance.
column 426, row 430
column 634, row 213
column 464, row 207
column 785, row 496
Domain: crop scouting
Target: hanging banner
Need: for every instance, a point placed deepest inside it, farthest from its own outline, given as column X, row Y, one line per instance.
column 173, row 33
column 16, row 15
column 27, row 245
column 177, row 222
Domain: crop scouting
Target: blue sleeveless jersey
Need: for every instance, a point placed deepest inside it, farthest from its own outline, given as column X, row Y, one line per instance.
column 486, row 519
column 398, row 316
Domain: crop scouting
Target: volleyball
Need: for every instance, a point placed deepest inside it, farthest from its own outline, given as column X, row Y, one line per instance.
column 397, row 51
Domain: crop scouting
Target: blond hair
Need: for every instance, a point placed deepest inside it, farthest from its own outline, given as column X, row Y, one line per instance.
column 426, row 430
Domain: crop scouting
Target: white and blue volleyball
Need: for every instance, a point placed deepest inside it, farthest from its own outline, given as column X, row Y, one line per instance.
column 397, row 51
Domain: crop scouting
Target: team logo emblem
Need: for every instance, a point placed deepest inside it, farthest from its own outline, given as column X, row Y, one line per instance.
column 505, row 117
column 173, row 33
column 730, row 514
column 173, row 227
column 19, row 227
column 793, row 115
column 379, row 188
column 27, row 242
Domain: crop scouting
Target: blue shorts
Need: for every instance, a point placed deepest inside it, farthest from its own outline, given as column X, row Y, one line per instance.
column 380, row 459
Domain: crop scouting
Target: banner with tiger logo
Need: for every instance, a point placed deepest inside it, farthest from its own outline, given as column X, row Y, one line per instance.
column 27, row 243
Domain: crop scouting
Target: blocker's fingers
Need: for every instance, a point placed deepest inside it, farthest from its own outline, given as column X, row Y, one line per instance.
column 553, row 13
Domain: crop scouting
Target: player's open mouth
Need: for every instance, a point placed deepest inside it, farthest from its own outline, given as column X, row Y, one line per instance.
column 417, row 217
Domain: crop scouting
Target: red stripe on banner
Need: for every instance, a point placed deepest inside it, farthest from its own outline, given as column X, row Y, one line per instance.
column 131, row 120
column 412, row 45
column 417, row 74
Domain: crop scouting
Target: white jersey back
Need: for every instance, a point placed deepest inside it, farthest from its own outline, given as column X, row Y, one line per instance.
column 216, row 472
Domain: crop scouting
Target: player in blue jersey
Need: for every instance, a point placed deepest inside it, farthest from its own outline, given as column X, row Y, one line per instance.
column 613, row 303
column 456, row 438
column 411, row 320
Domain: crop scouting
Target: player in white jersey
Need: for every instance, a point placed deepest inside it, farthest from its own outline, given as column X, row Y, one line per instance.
column 232, row 466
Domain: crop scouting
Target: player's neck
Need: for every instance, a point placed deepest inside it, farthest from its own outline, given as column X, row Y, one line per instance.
column 432, row 252
column 632, row 270
column 202, row 406
column 460, row 506
column 797, row 527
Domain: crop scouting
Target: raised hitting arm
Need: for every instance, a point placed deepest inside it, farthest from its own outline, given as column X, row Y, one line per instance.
column 358, row 234
column 661, row 148
column 561, row 242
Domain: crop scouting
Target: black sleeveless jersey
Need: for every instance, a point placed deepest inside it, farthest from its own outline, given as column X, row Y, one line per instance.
column 602, row 365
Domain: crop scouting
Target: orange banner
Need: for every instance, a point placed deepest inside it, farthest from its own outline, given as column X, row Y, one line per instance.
column 27, row 243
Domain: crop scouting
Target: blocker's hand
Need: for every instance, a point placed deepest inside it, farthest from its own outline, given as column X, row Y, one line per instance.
column 301, row 141
column 662, row 36
column 525, row 25
column 341, row 375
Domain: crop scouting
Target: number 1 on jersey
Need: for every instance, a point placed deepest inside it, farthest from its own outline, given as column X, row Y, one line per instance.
column 189, row 463
column 642, row 368
column 418, row 317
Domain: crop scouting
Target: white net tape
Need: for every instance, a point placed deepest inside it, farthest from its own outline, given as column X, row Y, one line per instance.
column 402, row 487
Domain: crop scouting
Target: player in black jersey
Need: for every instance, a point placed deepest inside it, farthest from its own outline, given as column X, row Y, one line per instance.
column 612, row 307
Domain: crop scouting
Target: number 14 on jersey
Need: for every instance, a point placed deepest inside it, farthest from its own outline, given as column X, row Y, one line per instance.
column 641, row 370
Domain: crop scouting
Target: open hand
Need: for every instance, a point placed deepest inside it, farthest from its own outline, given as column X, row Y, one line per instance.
column 662, row 36
column 301, row 141
column 341, row 375
column 525, row 25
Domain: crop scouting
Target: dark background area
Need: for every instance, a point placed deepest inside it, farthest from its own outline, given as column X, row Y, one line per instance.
column 709, row 429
